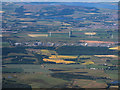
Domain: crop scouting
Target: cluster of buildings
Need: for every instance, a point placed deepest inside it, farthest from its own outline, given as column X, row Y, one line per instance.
column 98, row 43
column 80, row 43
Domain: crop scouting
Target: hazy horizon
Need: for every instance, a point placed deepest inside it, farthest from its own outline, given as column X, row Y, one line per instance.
column 60, row 1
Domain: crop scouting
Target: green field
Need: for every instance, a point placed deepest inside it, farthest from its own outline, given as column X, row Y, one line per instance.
column 60, row 60
column 80, row 50
column 57, row 75
column 5, row 44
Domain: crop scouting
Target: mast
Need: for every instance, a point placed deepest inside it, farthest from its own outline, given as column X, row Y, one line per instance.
column 50, row 34
column 70, row 34
column 112, row 36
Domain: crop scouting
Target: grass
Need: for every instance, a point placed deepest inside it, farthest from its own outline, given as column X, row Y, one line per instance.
column 95, row 73
column 36, row 80
column 24, row 38
column 89, row 83
column 38, row 68
column 5, row 44
column 113, row 74
column 29, row 68
column 11, row 70
column 72, row 66
column 19, row 54
column 40, row 80
column 96, row 66
column 85, row 56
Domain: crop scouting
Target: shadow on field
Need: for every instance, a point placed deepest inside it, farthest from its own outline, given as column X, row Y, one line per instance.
column 70, row 76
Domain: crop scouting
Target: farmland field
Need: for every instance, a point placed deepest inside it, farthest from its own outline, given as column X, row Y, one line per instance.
column 49, row 45
column 38, row 35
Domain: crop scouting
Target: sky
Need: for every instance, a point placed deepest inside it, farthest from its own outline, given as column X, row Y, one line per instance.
column 60, row 0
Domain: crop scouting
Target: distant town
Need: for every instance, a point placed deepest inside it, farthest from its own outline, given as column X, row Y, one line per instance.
column 81, row 43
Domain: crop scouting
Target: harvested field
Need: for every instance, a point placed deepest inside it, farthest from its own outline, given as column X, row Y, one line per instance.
column 26, row 19
column 2, row 11
column 38, row 35
column 115, row 48
column 89, row 33
column 113, row 56
column 27, row 14
column 89, row 84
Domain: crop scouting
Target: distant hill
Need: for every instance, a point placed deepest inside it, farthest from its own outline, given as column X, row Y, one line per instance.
column 106, row 5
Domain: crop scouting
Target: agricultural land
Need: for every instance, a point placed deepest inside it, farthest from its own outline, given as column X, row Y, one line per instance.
column 60, row 45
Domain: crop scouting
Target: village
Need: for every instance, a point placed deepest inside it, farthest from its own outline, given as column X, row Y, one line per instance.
column 80, row 43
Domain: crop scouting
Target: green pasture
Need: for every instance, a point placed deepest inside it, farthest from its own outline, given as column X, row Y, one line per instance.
column 5, row 44
column 29, row 68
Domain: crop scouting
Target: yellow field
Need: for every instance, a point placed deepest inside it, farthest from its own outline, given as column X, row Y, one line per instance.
column 26, row 19
column 63, row 57
column 27, row 14
column 27, row 22
column 38, row 35
column 2, row 11
column 115, row 48
column 114, row 87
column 45, row 52
column 85, row 56
column 114, row 56
column 66, row 24
column 109, row 21
column 88, row 62
column 90, row 33
column 92, row 13
column 58, row 61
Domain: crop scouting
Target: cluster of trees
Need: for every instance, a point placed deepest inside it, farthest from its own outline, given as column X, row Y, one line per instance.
column 6, row 50
column 81, row 50
column 10, row 84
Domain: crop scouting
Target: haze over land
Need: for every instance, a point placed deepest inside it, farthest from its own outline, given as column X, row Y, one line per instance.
column 61, row 1
column 60, row 45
